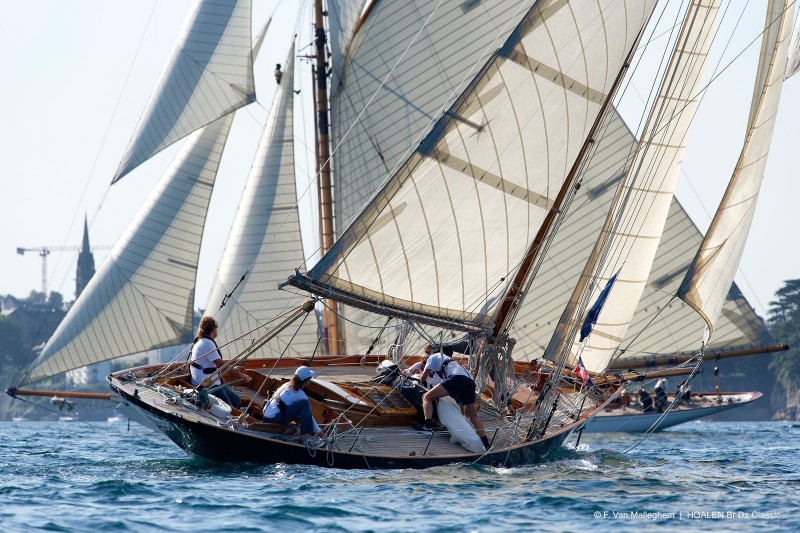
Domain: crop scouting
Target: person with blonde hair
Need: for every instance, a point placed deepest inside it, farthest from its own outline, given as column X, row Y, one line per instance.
column 206, row 358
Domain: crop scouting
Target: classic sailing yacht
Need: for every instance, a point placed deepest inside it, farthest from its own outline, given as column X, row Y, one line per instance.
column 389, row 262
column 454, row 264
column 501, row 186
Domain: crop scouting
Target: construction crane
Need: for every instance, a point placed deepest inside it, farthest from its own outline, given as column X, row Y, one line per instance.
column 44, row 251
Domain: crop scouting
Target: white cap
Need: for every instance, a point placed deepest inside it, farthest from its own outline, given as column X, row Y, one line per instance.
column 304, row 373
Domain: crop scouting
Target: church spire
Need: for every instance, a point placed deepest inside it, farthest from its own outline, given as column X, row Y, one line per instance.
column 85, row 262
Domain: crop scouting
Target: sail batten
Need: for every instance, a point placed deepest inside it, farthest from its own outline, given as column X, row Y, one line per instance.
column 209, row 74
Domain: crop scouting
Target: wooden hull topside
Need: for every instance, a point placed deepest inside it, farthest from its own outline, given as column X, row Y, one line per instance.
column 359, row 434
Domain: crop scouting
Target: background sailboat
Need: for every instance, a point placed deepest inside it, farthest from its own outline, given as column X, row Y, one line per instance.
column 711, row 272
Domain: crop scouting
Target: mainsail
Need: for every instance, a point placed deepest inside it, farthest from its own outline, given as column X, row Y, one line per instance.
column 712, row 271
column 440, row 239
column 209, row 74
column 343, row 17
column 264, row 241
column 408, row 62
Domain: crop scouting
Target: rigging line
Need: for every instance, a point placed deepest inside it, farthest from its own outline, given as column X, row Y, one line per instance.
column 697, row 196
column 716, row 67
column 665, row 55
column 622, row 244
column 166, row 368
column 242, row 416
column 295, row 207
column 677, row 66
column 486, row 63
column 342, row 317
column 701, row 93
column 383, row 82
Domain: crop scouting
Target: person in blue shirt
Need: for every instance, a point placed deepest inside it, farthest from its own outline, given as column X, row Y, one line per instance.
column 289, row 404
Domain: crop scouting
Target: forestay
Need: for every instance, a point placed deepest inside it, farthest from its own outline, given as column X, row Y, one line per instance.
column 264, row 243
column 439, row 241
column 715, row 264
column 209, row 74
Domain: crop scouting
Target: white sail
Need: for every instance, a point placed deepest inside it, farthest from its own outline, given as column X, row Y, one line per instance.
column 712, row 271
column 634, row 225
column 141, row 298
column 264, row 243
column 661, row 323
column 208, row 75
column 435, row 48
column 431, row 47
column 343, row 16
column 793, row 59
column 441, row 238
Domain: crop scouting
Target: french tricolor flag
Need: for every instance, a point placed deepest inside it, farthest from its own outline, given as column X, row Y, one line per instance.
column 580, row 370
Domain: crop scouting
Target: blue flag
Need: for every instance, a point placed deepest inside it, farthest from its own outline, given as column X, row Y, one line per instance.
column 594, row 312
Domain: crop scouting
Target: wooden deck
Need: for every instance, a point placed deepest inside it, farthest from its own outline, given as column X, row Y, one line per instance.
column 373, row 420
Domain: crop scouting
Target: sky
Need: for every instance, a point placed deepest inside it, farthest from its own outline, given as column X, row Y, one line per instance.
column 76, row 76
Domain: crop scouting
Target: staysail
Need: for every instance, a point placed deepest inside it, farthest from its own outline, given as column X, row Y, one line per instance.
column 209, row 74
column 440, row 239
column 634, row 225
column 661, row 323
column 141, row 298
column 712, row 271
column 264, row 242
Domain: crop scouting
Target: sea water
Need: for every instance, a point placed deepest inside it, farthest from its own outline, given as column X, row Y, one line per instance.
column 702, row 476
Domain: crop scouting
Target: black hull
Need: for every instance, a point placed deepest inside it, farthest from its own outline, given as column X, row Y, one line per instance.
column 221, row 444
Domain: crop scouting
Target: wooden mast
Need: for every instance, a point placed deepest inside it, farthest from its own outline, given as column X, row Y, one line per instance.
column 330, row 311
